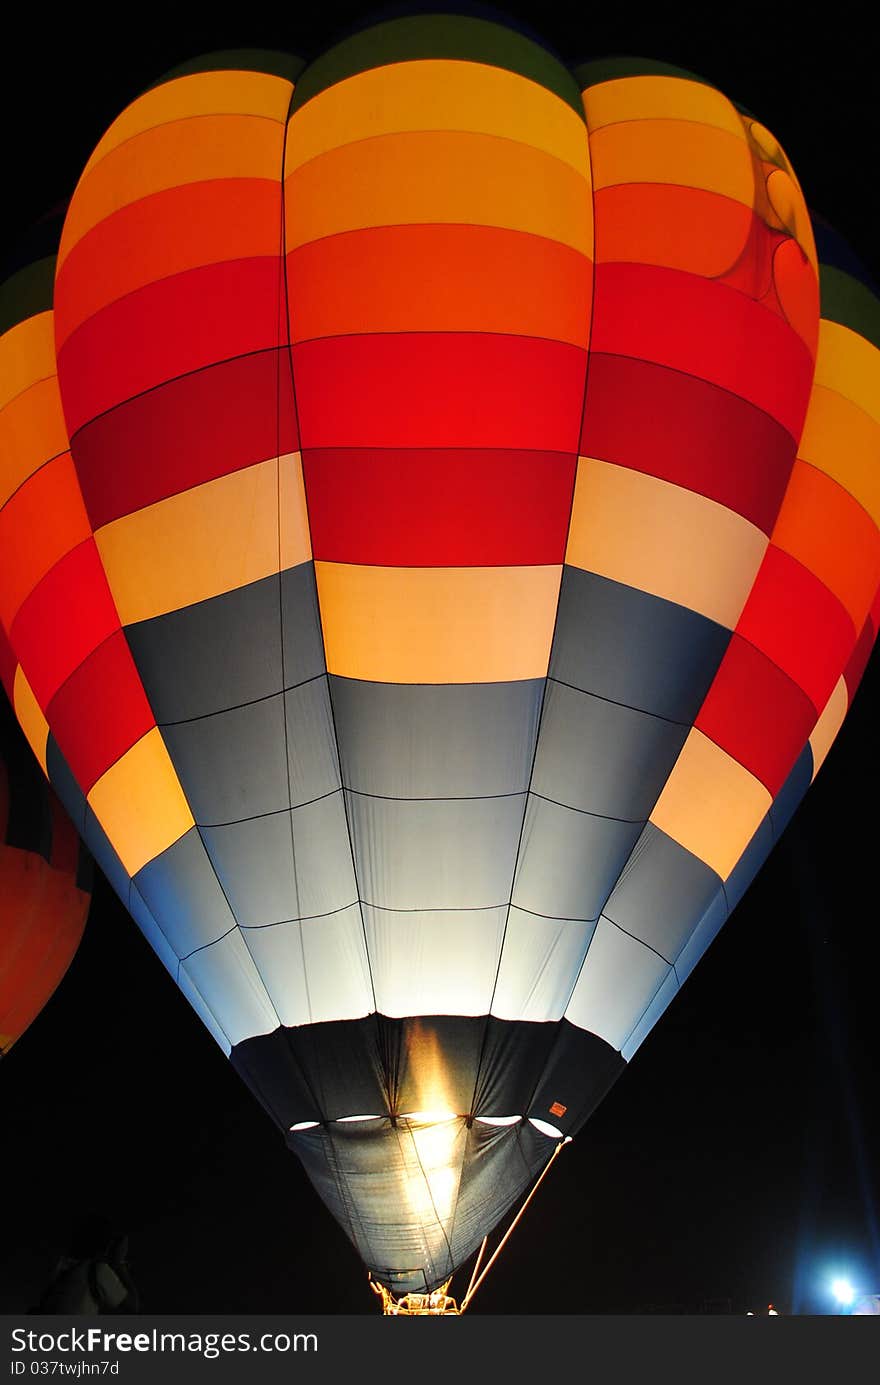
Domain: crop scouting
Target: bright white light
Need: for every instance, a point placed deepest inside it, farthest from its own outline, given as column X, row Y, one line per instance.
column 305, row 1125
column 428, row 1117
column 343, row 1120
column 496, row 1120
column 843, row 1291
column 546, row 1128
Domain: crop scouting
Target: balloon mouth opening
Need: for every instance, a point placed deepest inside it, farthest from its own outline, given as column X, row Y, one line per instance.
column 552, row 1132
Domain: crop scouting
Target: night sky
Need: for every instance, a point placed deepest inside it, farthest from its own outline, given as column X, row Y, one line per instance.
column 736, row 1161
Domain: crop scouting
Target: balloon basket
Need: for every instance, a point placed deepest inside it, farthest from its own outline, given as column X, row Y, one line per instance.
column 435, row 1304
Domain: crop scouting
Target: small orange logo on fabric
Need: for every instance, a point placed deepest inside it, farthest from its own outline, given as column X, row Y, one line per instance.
column 557, row 1109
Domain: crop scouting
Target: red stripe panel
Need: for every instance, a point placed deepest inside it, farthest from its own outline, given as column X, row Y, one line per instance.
column 757, row 714
column 165, row 233
column 8, row 663
column 858, row 660
column 176, row 325
column 684, row 430
column 799, row 624
column 64, row 855
column 704, row 329
column 100, row 711
column 67, row 615
column 458, row 508
column 188, row 431
column 439, row 389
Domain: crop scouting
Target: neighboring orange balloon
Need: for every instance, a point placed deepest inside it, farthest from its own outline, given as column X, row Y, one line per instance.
column 45, row 885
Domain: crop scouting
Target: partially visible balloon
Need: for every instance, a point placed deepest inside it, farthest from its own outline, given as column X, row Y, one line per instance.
column 45, row 885
column 452, row 549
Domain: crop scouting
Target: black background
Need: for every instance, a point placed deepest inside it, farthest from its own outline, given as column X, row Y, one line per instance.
column 736, row 1161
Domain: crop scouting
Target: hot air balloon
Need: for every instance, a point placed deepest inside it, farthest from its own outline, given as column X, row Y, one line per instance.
column 452, row 550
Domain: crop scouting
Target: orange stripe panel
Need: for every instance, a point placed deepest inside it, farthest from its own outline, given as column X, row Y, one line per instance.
column 681, row 227
column 437, row 625
column 30, row 715
column 27, row 354
column 439, row 177
column 657, row 98
column 831, row 534
column 711, row 805
column 439, row 279
column 211, row 539
column 32, row 430
column 842, row 440
column 661, row 538
column 187, row 151
column 673, row 151
column 163, row 234
column 437, row 95
column 140, row 804
column 45, row 519
column 200, row 94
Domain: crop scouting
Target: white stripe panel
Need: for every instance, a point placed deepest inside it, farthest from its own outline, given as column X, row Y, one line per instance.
column 151, row 931
column 225, row 975
column 539, row 962
column 197, row 1002
column 618, row 981
column 667, row 992
column 706, row 931
column 434, row 962
column 314, row 970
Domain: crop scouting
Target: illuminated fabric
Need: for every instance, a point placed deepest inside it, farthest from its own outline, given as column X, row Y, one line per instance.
column 463, row 552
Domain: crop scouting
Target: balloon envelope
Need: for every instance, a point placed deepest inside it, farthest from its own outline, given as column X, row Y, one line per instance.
column 457, row 552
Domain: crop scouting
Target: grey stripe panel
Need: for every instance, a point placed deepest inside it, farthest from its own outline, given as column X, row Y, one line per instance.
column 434, row 963
column 269, row 881
column 539, row 961
column 225, row 975
column 226, row 651
column 440, row 854
column 430, row 741
column 618, row 980
column 569, row 861
column 630, row 647
column 601, row 757
column 180, row 889
column 231, row 764
column 662, row 894
column 64, row 784
column 314, row 970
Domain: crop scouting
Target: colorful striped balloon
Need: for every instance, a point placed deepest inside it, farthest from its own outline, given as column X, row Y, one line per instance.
column 440, row 545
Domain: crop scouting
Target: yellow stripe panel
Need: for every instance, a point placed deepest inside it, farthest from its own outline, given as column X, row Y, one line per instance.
column 658, row 98
column 439, row 177
column 140, row 804
column 27, row 354
column 842, row 440
column 663, row 539
column 849, row 364
column 430, row 95
column 437, row 625
column 824, row 733
column 30, row 715
column 711, row 805
column 202, row 93
column 673, row 151
column 32, row 430
column 187, row 151
column 211, row 539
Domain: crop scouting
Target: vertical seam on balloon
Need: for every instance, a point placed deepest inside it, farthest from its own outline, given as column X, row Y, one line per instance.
column 546, row 680
column 289, row 345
